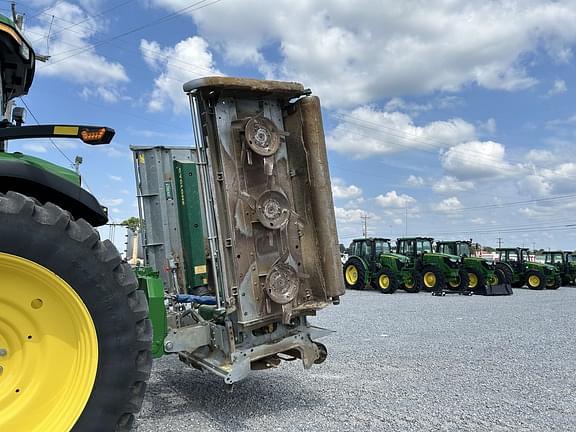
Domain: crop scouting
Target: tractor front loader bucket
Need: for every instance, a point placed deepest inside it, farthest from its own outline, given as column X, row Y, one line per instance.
column 495, row 290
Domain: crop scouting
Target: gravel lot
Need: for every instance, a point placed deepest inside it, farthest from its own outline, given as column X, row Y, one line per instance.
column 401, row 362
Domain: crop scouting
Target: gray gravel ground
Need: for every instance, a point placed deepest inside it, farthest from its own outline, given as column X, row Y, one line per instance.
column 402, row 362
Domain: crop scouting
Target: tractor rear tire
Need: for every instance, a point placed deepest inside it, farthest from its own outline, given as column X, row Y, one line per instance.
column 386, row 281
column 433, row 279
column 476, row 280
column 535, row 280
column 73, row 322
column 462, row 284
column 557, row 284
column 354, row 274
column 507, row 273
column 501, row 277
column 414, row 285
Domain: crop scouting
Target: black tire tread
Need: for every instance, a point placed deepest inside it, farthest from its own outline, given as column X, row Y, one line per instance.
column 51, row 218
column 356, row 262
column 393, row 281
column 480, row 277
column 540, row 275
column 417, row 283
column 507, row 272
column 440, row 279
column 463, row 285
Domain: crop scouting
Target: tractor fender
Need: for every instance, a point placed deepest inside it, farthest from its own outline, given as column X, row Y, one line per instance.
column 46, row 187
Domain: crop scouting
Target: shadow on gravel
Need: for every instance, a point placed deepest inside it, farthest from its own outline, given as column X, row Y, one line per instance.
column 186, row 391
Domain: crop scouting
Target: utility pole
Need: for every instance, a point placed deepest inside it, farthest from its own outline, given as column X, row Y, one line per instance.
column 406, row 221
column 365, row 217
column 499, row 241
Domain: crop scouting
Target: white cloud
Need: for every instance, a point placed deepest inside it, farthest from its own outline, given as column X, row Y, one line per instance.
column 449, row 184
column 478, row 221
column 393, row 200
column 110, row 95
column 115, row 178
column 341, row 190
column 543, row 182
column 415, row 109
column 112, row 202
column 554, row 124
column 352, row 215
column 35, row 148
column 353, row 53
column 558, row 87
column 354, row 203
column 187, row 60
column 487, row 127
column 534, row 186
column 379, row 132
column 449, row 205
column 415, row 181
column 477, row 159
column 541, row 157
column 530, row 212
column 73, row 57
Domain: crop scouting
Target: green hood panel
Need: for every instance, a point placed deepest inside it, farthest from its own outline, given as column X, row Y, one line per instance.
column 64, row 173
column 399, row 257
column 452, row 257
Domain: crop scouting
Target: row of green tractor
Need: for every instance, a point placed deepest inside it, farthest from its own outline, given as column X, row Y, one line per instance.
column 419, row 263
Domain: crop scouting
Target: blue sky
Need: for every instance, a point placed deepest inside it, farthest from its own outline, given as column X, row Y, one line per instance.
column 448, row 118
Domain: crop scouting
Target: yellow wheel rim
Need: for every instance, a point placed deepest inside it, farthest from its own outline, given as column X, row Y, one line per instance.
column 410, row 283
column 534, row 280
column 48, row 349
column 454, row 283
column 384, row 281
column 472, row 280
column 351, row 275
column 429, row 279
column 493, row 280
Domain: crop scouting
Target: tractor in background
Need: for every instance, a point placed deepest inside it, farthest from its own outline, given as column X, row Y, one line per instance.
column 439, row 271
column 520, row 271
column 483, row 276
column 371, row 262
column 565, row 262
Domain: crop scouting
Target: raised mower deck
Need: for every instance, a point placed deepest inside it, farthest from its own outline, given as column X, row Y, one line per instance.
column 245, row 217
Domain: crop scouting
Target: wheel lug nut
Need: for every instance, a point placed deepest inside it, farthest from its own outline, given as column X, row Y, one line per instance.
column 3, row 352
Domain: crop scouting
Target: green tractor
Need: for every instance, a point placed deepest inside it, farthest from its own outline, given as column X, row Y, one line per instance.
column 79, row 327
column 483, row 277
column 516, row 264
column 439, row 271
column 371, row 262
column 74, row 330
column 565, row 262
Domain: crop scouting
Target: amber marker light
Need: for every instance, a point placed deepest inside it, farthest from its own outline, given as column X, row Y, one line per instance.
column 92, row 135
